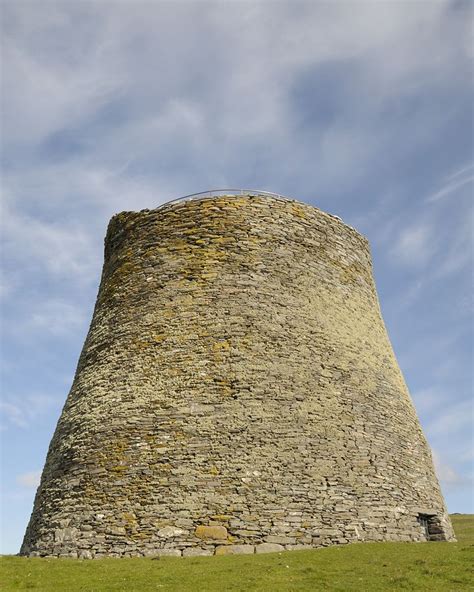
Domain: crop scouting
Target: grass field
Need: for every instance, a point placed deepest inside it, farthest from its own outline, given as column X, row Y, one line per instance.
column 361, row 567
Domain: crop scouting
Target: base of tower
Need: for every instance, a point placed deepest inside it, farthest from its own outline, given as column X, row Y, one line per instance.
column 433, row 532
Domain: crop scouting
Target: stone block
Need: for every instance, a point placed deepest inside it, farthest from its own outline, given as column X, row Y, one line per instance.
column 269, row 548
column 162, row 553
column 169, row 532
column 66, row 535
column 235, row 550
column 217, row 533
column 196, row 552
column 280, row 540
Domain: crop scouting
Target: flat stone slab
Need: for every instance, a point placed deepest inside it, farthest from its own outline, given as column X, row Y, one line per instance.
column 235, row 550
column 170, row 531
column 269, row 548
column 217, row 533
column 196, row 552
column 280, row 540
column 164, row 553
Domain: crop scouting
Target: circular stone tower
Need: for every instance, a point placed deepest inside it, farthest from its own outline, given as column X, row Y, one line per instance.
column 236, row 393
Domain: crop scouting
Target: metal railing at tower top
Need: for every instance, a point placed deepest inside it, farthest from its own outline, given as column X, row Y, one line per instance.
column 226, row 191
column 210, row 193
column 230, row 192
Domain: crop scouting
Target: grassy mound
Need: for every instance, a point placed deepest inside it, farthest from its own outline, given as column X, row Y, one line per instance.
column 360, row 567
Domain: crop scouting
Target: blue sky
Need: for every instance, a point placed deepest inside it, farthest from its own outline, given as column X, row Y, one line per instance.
column 362, row 109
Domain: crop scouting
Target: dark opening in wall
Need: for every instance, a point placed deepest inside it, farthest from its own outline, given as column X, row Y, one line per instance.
column 431, row 527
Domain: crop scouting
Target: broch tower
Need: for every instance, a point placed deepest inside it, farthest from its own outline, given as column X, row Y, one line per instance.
column 237, row 393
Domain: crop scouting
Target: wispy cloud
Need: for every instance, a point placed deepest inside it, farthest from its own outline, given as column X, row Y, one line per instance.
column 56, row 317
column 450, row 188
column 65, row 251
column 13, row 414
column 429, row 400
column 459, row 252
column 456, row 416
column 29, row 480
column 460, row 171
column 449, row 477
column 415, row 245
column 21, row 412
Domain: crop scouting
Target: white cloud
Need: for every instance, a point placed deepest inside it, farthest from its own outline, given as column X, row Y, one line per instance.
column 415, row 245
column 61, row 250
column 56, row 317
column 450, row 188
column 458, row 254
column 13, row 414
column 49, row 88
column 234, row 63
column 460, row 171
column 23, row 411
column 428, row 400
column 68, row 246
column 452, row 418
column 448, row 475
column 30, row 480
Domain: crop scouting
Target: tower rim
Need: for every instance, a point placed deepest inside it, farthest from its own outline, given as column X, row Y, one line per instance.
column 243, row 192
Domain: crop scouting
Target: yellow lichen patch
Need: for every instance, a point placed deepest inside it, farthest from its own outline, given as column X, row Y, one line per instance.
column 209, row 275
column 164, row 467
column 221, row 346
column 211, row 532
column 180, row 435
column 118, row 468
column 299, row 211
column 178, row 245
column 129, row 518
column 225, row 386
column 117, row 279
column 224, row 240
column 141, row 344
column 237, row 202
column 159, row 337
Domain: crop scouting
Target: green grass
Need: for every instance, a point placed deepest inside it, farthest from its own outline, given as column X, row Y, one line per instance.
column 360, row 567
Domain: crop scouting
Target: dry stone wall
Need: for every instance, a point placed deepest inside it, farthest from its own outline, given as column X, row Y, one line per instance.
column 236, row 393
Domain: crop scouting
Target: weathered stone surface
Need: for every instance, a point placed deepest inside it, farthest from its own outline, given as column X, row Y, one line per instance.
column 235, row 550
column 196, row 552
column 269, row 548
column 169, row 532
column 211, row 532
column 280, row 540
column 237, row 379
column 165, row 553
column 65, row 535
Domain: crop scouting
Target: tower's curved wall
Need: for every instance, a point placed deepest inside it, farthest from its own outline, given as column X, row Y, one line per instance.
column 237, row 390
